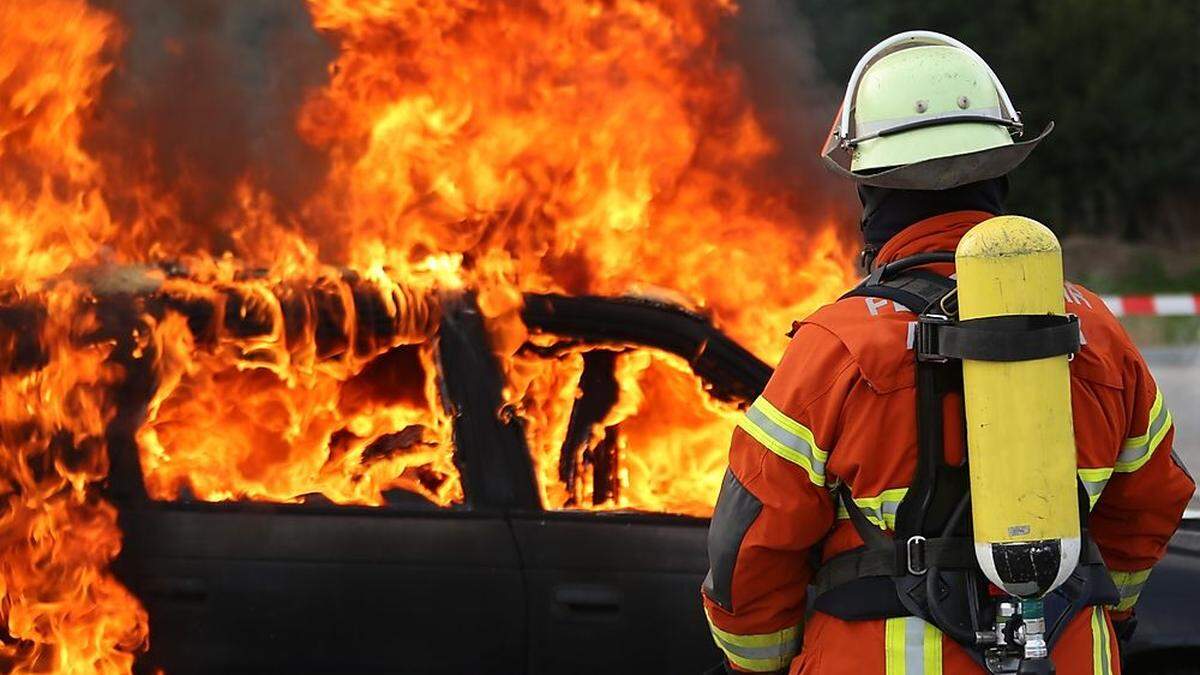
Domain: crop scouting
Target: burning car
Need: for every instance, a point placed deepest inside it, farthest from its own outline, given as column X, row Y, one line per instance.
column 385, row 409
column 527, row 584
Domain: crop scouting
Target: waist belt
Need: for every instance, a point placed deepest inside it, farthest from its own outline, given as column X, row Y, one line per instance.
column 913, row 556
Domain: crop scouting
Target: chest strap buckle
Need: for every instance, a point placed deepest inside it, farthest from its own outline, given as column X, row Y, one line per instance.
column 915, row 558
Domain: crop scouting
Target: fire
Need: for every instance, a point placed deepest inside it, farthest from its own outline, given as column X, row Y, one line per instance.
column 581, row 147
column 61, row 610
column 589, row 147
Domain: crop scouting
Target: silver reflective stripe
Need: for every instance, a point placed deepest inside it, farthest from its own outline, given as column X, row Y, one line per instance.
column 1132, row 591
column 1094, row 481
column 785, row 437
column 1137, row 450
column 877, row 127
column 757, row 653
column 1101, row 654
column 880, row 509
column 885, row 513
column 778, row 652
column 913, row 647
column 1105, row 659
column 1129, row 585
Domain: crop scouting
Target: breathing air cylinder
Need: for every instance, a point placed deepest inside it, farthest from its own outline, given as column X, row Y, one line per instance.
column 1024, row 499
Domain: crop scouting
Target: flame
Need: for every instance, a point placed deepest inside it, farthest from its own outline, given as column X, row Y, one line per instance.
column 272, row 411
column 581, row 147
column 62, row 611
column 586, row 147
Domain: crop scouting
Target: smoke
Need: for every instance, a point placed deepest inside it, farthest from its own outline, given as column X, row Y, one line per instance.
column 206, row 94
column 773, row 44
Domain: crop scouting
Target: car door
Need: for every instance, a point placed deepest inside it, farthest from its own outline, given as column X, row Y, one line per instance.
column 315, row 587
column 612, row 592
column 619, row 590
column 264, row 588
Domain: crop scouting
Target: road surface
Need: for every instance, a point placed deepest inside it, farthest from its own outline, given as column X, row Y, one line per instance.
column 1177, row 371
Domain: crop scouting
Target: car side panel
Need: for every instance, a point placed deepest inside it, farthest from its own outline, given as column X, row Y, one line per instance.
column 274, row 589
column 615, row 593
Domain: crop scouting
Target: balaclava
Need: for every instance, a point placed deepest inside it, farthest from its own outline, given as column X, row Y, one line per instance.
column 886, row 211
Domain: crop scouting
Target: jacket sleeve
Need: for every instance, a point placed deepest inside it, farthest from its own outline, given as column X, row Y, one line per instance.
column 1142, row 503
column 774, row 508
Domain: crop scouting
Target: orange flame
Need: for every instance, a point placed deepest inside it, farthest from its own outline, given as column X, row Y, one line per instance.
column 594, row 146
column 61, row 610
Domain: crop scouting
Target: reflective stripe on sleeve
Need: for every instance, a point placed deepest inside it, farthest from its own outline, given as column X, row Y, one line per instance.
column 1136, row 451
column 1094, row 481
column 785, row 437
column 1130, row 585
column 880, row 509
column 1101, row 649
column 913, row 647
column 758, row 653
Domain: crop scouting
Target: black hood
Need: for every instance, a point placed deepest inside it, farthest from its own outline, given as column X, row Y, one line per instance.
column 886, row 211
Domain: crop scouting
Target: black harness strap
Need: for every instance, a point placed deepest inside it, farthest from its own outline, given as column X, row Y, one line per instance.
column 1021, row 337
column 895, row 559
column 944, row 553
column 933, row 548
column 917, row 290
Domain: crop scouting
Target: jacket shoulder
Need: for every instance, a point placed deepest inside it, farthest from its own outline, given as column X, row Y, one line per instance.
column 1105, row 344
column 877, row 333
column 879, row 336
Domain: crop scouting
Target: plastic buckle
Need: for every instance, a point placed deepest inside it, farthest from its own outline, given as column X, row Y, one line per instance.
column 1075, row 318
column 927, row 337
column 915, row 555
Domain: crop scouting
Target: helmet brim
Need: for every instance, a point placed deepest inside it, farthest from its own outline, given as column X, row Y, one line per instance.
column 940, row 173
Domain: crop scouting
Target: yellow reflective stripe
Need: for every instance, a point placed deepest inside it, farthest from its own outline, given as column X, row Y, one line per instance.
column 791, row 425
column 893, row 644
column 1101, row 649
column 1136, row 451
column 785, row 437
column 1094, row 481
column 1129, row 585
column 880, row 509
column 933, row 650
column 912, row 647
column 757, row 653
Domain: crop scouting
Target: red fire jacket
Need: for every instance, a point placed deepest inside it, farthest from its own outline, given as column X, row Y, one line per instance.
column 841, row 407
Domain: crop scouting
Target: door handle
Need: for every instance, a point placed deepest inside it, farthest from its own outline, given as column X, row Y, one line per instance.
column 589, row 601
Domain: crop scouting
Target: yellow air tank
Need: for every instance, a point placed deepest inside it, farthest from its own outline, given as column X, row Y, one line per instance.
column 1021, row 442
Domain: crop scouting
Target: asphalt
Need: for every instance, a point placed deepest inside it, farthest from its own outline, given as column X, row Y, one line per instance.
column 1177, row 371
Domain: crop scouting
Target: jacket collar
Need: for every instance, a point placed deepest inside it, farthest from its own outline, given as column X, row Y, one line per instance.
column 939, row 233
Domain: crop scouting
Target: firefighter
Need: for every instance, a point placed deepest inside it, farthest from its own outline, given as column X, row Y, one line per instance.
column 828, row 461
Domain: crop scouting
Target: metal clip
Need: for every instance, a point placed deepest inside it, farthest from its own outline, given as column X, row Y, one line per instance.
column 1071, row 356
column 927, row 337
column 915, row 557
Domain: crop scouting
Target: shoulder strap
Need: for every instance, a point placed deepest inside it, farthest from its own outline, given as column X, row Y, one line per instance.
column 916, row 289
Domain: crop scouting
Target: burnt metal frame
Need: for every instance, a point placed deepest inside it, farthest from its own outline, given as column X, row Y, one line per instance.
column 491, row 451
